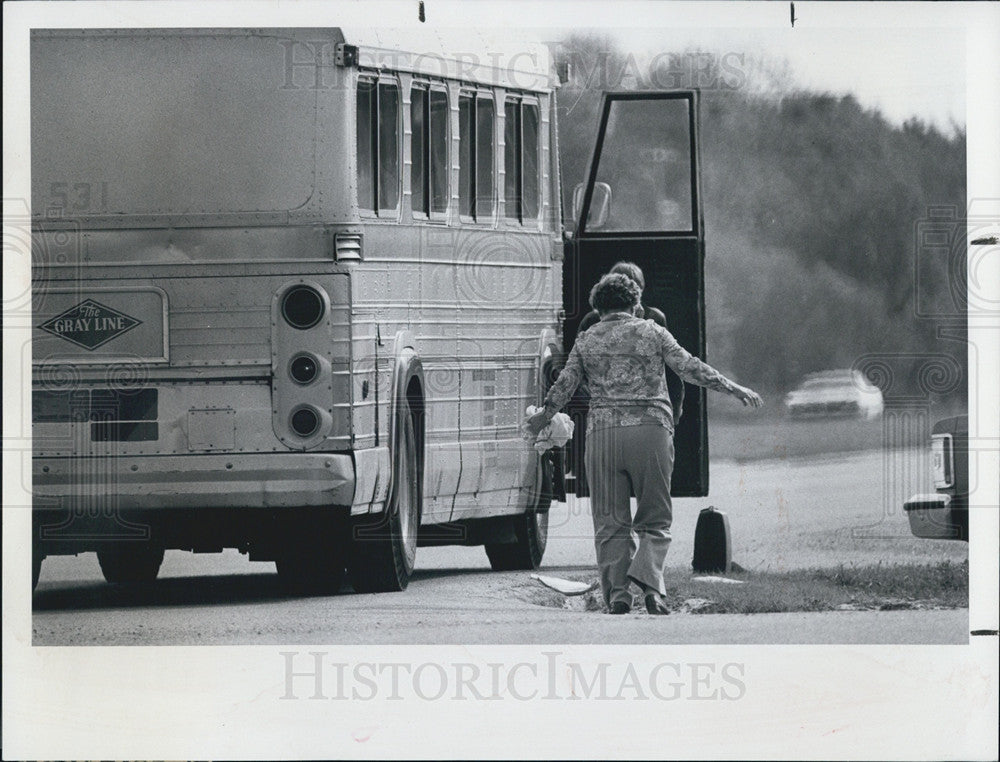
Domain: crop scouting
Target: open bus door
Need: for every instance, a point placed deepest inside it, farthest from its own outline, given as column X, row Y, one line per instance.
column 641, row 203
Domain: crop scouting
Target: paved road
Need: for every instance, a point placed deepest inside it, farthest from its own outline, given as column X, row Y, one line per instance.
column 784, row 514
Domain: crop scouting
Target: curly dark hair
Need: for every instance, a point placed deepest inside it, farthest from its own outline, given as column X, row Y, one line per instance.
column 615, row 292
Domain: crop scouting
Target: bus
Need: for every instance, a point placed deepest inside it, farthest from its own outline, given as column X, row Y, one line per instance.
column 293, row 290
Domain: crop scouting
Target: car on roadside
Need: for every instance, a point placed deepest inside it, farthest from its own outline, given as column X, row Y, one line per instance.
column 944, row 514
column 835, row 393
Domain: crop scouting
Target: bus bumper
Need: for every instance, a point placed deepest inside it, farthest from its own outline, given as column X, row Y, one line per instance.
column 194, row 481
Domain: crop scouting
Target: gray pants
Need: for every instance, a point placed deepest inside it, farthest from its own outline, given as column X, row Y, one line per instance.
column 641, row 457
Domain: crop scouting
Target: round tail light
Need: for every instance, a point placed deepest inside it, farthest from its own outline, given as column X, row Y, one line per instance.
column 304, row 421
column 303, row 369
column 302, row 307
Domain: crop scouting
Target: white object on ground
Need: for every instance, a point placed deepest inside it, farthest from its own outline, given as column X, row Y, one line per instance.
column 725, row 580
column 696, row 604
column 556, row 434
column 565, row 586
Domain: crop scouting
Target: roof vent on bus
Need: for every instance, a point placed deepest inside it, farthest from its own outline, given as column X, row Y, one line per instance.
column 347, row 247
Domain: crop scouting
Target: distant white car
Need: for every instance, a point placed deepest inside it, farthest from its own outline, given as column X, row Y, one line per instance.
column 835, row 393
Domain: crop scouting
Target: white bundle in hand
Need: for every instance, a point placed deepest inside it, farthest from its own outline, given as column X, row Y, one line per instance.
column 556, row 434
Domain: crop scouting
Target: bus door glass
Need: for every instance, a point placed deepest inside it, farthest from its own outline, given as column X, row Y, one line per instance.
column 640, row 202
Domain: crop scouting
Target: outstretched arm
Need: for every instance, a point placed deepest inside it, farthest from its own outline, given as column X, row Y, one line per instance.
column 694, row 371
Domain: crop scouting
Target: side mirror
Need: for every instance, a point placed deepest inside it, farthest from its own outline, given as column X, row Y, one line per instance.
column 600, row 205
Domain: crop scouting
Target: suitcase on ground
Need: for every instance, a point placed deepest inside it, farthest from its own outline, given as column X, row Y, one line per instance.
column 712, row 544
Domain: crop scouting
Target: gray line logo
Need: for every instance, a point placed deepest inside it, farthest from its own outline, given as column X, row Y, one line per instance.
column 89, row 324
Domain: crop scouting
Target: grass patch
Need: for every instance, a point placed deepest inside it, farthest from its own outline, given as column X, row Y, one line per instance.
column 844, row 588
column 944, row 580
column 874, row 587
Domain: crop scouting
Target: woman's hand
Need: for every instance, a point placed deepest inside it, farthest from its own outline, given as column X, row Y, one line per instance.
column 535, row 423
column 748, row 397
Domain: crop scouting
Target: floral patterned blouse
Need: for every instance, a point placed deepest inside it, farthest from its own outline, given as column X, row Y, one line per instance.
column 622, row 361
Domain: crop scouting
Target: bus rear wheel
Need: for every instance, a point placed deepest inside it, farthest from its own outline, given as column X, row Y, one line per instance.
column 384, row 546
column 130, row 564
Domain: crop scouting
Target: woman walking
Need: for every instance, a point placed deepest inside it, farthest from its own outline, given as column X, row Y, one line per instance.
column 629, row 436
column 580, row 401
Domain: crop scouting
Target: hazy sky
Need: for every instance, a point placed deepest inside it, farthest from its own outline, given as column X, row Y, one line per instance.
column 909, row 72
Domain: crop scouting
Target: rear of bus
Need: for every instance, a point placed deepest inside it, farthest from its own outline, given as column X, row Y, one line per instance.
column 191, row 330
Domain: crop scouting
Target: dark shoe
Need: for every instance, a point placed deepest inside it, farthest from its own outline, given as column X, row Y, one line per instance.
column 655, row 604
column 619, row 607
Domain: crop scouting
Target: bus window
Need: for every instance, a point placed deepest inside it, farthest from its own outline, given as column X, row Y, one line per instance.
column 378, row 145
column 418, row 149
column 484, row 158
column 529, row 161
column 429, row 151
column 521, row 160
column 511, row 159
column 476, row 192
column 388, row 146
column 366, row 149
column 439, row 151
column 466, row 140
column 646, row 161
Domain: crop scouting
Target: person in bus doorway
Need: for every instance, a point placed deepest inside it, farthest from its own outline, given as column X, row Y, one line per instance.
column 623, row 360
column 675, row 387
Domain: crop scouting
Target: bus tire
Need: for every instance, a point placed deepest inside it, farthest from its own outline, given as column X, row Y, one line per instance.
column 313, row 556
column 531, row 530
column 525, row 554
column 383, row 546
column 130, row 563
